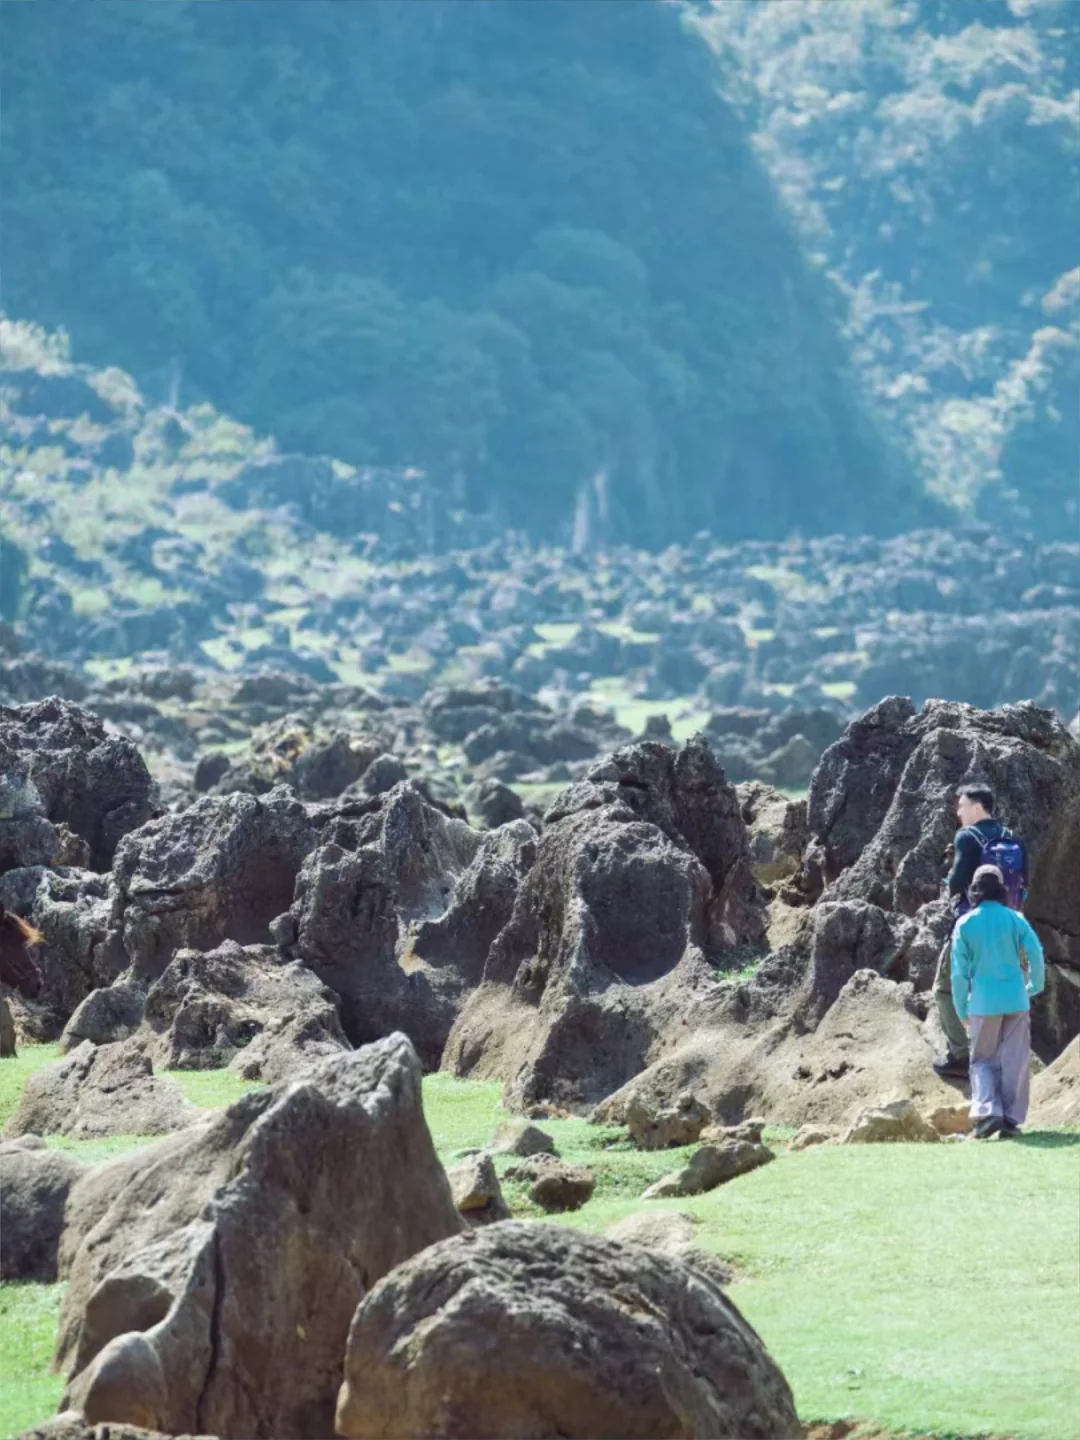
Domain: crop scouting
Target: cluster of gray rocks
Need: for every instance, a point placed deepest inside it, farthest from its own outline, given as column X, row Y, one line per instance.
column 660, row 949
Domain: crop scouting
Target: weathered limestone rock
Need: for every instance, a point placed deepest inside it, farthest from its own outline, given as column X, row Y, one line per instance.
column 657, row 1129
column 98, row 1091
column 526, row 1329
column 62, row 768
column 34, row 1187
column 519, row 1137
column 476, row 1190
column 554, row 1184
column 220, row 870
column 213, row 1289
column 898, row 1120
column 1055, row 1091
column 240, row 1005
column 710, row 1166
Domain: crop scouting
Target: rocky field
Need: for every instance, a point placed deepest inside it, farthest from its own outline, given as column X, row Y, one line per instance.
column 677, row 961
column 311, row 789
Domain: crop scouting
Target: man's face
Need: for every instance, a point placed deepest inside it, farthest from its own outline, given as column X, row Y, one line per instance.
column 969, row 812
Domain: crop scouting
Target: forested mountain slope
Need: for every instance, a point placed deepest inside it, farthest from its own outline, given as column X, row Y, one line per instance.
column 526, row 248
column 929, row 151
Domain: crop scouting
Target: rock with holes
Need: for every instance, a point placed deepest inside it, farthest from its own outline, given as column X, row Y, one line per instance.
column 61, row 767
column 642, row 875
column 710, row 1166
column 396, row 909
column 34, row 1187
column 593, row 1338
column 656, row 1128
column 240, row 1005
column 317, row 764
column 214, row 1285
column 98, row 1091
column 554, row 1184
column 778, row 831
column 71, row 909
column 220, row 870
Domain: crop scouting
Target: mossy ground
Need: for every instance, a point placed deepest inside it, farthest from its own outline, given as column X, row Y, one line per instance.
column 931, row 1289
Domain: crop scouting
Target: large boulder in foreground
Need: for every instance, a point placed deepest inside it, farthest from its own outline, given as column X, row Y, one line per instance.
column 34, row 1186
column 244, row 1005
column 642, row 885
column 213, row 1287
column 592, row 1338
column 220, row 870
column 65, row 774
column 100, row 1091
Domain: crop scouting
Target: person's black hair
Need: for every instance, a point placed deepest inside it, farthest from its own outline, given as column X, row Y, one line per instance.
column 987, row 885
column 978, row 793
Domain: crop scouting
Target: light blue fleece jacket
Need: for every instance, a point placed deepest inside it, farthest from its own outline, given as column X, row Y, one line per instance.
column 992, row 948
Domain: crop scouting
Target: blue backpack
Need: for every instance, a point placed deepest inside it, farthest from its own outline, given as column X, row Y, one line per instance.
column 1007, row 853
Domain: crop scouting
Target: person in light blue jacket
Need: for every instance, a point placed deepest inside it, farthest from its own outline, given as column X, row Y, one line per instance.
column 997, row 965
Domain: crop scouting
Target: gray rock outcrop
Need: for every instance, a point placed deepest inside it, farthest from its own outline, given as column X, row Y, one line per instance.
column 34, row 1187
column 593, row 1338
column 213, row 1289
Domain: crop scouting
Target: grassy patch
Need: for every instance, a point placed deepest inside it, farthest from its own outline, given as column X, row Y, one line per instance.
column 929, row 1288
column 211, row 1089
column 28, row 1392
column 14, row 1073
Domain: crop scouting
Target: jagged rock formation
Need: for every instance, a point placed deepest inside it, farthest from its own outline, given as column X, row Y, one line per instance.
column 64, row 776
column 396, row 909
column 642, row 880
column 595, row 1338
column 215, row 1276
column 220, row 870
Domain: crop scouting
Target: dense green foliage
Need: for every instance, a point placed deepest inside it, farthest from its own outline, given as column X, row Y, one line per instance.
column 519, row 246
column 929, row 151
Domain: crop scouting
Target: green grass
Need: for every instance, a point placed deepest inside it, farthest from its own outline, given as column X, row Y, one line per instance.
column 14, row 1074
column 211, row 1089
column 28, row 1391
column 928, row 1288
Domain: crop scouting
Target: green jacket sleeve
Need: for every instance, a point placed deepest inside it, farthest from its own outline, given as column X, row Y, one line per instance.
column 1032, row 951
column 961, row 967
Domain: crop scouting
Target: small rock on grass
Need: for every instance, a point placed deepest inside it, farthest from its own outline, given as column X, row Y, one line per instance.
column 710, row 1166
column 656, row 1128
column 519, row 1137
column 476, row 1190
column 553, row 1184
column 952, row 1119
column 813, row 1135
column 896, row 1121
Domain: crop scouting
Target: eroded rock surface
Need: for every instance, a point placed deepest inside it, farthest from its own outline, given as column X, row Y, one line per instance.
column 34, row 1187
column 99, row 1091
column 594, row 1338
column 213, row 1291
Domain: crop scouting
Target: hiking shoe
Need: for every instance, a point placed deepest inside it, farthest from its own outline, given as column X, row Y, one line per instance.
column 986, row 1129
column 1010, row 1130
column 952, row 1067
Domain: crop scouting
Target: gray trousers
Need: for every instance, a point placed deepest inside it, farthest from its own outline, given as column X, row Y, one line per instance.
column 955, row 1033
column 1001, row 1065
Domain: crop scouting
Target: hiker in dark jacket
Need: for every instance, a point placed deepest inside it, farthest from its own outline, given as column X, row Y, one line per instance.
column 978, row 828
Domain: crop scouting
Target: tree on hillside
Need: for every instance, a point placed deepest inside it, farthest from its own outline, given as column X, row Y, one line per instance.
column 511, row 244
